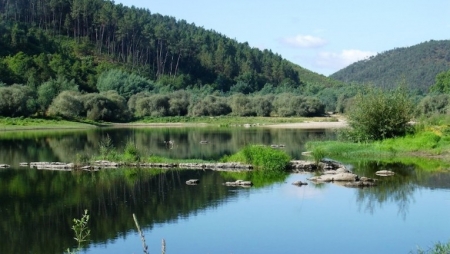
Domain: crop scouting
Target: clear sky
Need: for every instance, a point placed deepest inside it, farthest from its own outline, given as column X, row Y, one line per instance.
column 320, row 35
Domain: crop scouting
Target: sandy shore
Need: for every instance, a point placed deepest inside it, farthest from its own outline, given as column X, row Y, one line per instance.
column 310, row 125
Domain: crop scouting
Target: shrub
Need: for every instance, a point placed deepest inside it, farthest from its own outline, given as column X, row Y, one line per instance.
column 16, row 100
column 67, row 104
column 379, row 114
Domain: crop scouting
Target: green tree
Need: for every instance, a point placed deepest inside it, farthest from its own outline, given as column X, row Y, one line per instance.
column 379, row 114
column 17, row 100
column 124, row 83
column 67, row 105
column 442, row 83
column 50, row 89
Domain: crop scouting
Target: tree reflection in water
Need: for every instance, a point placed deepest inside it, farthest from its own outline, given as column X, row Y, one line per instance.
column 398, row 189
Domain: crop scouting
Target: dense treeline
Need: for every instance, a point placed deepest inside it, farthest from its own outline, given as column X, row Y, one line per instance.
column 101, row 61
column 155, row 46
column 418, row 65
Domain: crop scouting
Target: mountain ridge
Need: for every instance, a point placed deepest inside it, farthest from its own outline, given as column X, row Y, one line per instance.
column 416, row 65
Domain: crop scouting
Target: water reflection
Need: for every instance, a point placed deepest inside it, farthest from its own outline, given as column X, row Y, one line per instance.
column 39, row 205
column 16, row 147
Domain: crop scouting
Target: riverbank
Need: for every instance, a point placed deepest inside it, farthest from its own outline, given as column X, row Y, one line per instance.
column 15, row 124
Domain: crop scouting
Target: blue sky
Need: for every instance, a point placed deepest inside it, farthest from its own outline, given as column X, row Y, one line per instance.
column 321, row 35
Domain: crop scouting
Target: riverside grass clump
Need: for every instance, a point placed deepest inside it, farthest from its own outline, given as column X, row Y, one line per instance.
column 261, row 157
column 421, row 148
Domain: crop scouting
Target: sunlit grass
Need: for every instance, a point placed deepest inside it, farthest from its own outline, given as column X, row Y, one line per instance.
column 261, row 157
column 426, row 149
column 10, row 123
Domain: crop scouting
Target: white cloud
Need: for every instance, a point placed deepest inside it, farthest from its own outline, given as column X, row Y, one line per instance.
column 304, row 41
column 343, row 59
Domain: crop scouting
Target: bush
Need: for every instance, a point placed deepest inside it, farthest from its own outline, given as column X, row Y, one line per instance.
column 211, row 106
column 67, row 104
column 17, row 100
column 379, row 114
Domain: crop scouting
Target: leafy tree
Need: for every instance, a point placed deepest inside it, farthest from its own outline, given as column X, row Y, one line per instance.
column 124, row 83
column 379, row 114
column 154, row 105
column 433, row 104
column 262, row 105
column 179, row 102
column 241, row 105
column 442, row 83
column 50, row 89
column 107, row 106
column 211, row 106
column 67, row 105
column 16, row 100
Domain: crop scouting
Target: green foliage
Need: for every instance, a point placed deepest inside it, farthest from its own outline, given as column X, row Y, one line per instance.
column 107, row 106
column 296, row 105
column 433, row 104
column 211, row 106
column 124, row 83
column 106, row 147
column 67, row 104
column 264, row 158
column 50, row 89
column 437, row 248
column 131, row 153
column 318, row 154
column 16, row 100
column 241, row 105
column 82, row 231
column 418, row 65
column 442, row 83
column 379, row 114
column 153, row 105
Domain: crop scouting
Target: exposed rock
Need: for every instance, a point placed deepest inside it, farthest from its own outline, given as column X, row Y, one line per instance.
column 4, row 166
column 299, row 183
column 384, row 173
column 335, row 177
column 239, row 183
column 192, row 182
column 298, row 166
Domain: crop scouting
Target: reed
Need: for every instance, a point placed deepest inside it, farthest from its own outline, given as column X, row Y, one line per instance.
column 141, row 234
column 82, row 232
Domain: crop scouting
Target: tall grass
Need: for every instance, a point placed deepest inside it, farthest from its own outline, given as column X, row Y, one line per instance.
column 261, row 157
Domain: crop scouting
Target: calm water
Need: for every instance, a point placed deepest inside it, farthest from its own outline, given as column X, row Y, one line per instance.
column 37, row 207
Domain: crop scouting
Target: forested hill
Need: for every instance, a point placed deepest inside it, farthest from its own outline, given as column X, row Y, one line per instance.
column 417, row 65
column 79, row 39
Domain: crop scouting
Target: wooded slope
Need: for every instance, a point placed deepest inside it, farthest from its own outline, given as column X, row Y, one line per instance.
column 418, row 65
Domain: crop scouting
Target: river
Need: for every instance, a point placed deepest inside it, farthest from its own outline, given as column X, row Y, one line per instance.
column 37, row 206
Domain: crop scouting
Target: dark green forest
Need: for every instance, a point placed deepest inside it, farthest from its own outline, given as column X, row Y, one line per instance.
column 101, row 61
column 418, row 65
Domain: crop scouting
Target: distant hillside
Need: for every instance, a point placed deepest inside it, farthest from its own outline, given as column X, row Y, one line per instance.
column 418, row 65
column 80, row 39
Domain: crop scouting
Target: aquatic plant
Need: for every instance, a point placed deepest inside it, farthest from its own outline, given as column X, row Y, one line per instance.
column 82, row 232
column 261, row 157
column 318, row 154
column 437, row 248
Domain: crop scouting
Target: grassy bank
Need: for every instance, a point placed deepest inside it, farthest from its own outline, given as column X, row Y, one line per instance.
column 225, row 121
column 19, row 123
column 428, row 148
